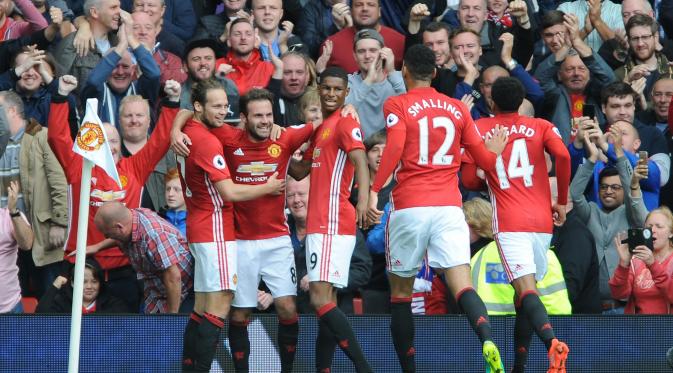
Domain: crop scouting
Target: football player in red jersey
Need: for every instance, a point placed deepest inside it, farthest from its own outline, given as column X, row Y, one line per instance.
column 210, row 223
column 335, row 155
column 519, row 180
column 426, row 131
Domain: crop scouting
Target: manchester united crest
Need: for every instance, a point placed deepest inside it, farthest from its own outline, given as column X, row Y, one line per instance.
column 274, row 150
column 90, row 137
column 124, row 180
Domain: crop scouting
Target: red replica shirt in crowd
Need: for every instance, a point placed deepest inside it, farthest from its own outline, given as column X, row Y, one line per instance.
column 343, row 47
column 329, row 211
column 133, row 173
column 425, row 132
column 252, row 163
column 209, row 218
column 519, row 181
column 248, row 74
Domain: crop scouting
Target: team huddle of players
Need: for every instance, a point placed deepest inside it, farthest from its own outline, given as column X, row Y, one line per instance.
column 426, row 133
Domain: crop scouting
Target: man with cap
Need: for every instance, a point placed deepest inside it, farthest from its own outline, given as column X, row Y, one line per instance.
column 362, row 14
column 199, row 62
column 375, row 81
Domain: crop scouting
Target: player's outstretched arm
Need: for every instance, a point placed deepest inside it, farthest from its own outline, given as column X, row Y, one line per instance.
column 359, row 159
column 238, row 192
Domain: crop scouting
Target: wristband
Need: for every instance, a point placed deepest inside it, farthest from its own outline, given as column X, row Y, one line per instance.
column 15, row 214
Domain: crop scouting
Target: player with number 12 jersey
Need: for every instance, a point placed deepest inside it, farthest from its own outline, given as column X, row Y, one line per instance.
column 425, row 132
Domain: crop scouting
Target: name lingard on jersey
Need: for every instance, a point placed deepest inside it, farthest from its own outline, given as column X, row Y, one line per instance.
column 515, row 129
column 418, row 106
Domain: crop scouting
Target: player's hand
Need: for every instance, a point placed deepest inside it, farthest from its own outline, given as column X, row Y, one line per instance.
column 373, row 213
column 349, row 109
column 361, row 214
column 498, row 141
column 559, row 214
column 275, row 186
column 173, row 89
column 180, row 143
column 622, row 250
column 276, row 132
column 264, row 300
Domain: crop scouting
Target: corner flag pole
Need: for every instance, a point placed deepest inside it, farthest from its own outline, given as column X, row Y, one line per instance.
column 78, row 282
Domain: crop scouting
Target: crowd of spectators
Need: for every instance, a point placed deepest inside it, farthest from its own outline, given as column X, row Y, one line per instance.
column 598, row 70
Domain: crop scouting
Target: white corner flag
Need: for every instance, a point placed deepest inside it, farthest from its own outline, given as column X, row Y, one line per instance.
column 92, row 143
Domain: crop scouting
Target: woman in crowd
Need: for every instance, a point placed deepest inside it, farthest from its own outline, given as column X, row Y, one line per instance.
column 58, row 298
column 643, row 276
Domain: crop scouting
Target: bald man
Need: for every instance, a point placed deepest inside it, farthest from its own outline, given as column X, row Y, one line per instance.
column 157, row 251
column 484, row 104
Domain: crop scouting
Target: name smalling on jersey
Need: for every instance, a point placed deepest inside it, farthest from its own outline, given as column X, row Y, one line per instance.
column 419, row 106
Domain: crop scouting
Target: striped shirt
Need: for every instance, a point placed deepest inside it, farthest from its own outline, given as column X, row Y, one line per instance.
column 155, row 246
column 611, row 14
column 9, row 169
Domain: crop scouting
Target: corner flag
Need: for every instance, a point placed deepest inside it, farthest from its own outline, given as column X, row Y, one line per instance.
column 92, row 144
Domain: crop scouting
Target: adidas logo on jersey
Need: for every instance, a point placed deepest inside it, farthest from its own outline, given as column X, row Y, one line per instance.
column 238, row 152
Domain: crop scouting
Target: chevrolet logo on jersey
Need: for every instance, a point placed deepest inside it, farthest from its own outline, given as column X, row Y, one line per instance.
column 257, row 168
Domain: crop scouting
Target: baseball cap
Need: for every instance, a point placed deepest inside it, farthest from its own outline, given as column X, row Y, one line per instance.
column 368, row 33
column 200, row 43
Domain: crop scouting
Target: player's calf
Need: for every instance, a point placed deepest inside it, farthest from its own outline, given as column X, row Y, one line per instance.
column 238, row 338
column 288, row 331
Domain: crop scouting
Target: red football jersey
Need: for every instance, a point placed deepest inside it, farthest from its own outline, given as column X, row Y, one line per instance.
column 329, row 211
column 425, row 132
column 209, row 218
column 519, row 183
column 252, row 163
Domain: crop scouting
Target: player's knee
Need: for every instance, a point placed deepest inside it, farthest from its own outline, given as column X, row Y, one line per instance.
column 218, row 303
column 286, row 307
column 240, row 314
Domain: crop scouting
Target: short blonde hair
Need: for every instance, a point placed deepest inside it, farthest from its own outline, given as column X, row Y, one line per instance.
column 310, row 97
column 133, row 98
column 666, row 212
column 478, row 215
